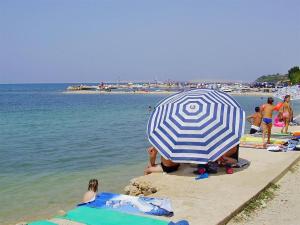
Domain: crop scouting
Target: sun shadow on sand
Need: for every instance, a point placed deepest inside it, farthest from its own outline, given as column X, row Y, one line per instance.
column 187, row 170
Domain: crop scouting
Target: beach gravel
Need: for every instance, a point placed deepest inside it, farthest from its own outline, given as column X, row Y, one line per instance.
column 284, row 208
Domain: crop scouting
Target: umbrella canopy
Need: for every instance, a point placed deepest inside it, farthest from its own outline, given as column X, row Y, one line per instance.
column 293, row 91
column 196, row 126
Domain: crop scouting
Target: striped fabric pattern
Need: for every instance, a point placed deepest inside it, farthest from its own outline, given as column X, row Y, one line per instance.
column 196, row 126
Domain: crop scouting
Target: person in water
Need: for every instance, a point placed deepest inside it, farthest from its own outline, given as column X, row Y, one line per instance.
column 286, row 113
column 90, row 195
column 255, row 121
column 267, row 113
column 166, row 165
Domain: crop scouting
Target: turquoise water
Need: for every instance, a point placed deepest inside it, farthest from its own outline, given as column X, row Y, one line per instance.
column 52, row 143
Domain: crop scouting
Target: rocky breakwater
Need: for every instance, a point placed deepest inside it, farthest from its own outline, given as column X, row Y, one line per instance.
column 138, row 187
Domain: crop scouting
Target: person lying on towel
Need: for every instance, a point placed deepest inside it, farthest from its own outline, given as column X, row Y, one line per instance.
column 166, row 165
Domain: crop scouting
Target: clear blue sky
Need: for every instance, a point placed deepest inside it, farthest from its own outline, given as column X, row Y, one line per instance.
column 93, row 41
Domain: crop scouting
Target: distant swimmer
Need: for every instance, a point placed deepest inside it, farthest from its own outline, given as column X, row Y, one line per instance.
column 149, row 108
column 255, row 121
column 90, row 195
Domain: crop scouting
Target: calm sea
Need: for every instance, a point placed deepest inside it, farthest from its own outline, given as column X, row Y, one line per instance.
column 52, row 143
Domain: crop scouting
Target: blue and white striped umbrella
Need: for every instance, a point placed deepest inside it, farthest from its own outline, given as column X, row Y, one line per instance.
column 196, row 126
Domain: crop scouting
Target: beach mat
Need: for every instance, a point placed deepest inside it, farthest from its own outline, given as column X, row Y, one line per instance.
column 132, row 204
column 101, row 216
column 248, row 139
column 252, row 145
column 275, row 135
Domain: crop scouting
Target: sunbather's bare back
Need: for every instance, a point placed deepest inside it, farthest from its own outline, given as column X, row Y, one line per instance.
column 256, row 119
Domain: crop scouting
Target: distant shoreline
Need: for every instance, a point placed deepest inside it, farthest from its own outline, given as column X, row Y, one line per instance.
column 161, row 92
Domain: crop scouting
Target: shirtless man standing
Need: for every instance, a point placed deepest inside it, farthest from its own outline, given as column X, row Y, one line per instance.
column 166, row 165
column 255, row 120
column 267, row 112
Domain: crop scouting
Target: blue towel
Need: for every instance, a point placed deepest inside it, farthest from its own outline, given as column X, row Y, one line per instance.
column 181, row 222
column 132, row 204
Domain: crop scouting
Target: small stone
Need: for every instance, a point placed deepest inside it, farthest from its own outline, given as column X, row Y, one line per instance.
column 144, row 186
column 133, row 181
column 147, row 192
column 153, row 189
column 61, row 213
column 134, row 191
column 127, row 189
column 263, row 204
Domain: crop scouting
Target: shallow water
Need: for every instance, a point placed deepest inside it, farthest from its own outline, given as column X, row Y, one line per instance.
column 53, row 143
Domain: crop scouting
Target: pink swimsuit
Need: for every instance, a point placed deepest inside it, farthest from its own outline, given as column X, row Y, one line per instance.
column 285, row 115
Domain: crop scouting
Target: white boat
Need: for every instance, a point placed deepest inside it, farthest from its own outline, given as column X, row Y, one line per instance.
column 81, row 87
column 226, row 89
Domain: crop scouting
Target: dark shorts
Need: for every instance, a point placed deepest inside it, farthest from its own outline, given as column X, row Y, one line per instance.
column 169, row 169
column 253, row 131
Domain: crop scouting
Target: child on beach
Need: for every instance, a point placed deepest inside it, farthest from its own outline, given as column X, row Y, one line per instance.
column 90, row 195
column 166, row 165
column 267, row 112
column 255, row 121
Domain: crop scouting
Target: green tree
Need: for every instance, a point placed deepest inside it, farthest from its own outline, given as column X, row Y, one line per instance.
column 294, row 75
column 272, row 78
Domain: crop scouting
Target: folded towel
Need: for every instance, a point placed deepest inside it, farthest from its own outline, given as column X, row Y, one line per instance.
column 274, row 148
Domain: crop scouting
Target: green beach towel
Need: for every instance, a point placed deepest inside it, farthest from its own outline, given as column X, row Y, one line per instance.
column 98, row 216
column 42, row 222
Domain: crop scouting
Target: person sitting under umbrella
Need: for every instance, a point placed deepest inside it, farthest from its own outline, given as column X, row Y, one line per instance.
column 166, row 165
column 229, row 158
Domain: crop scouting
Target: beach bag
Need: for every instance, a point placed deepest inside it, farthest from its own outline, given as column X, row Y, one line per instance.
column 212, row 167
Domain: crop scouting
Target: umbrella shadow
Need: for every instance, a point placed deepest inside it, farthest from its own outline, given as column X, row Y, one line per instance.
column 187, row 170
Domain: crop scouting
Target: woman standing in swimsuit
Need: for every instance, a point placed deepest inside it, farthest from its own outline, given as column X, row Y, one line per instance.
column 286, row 113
